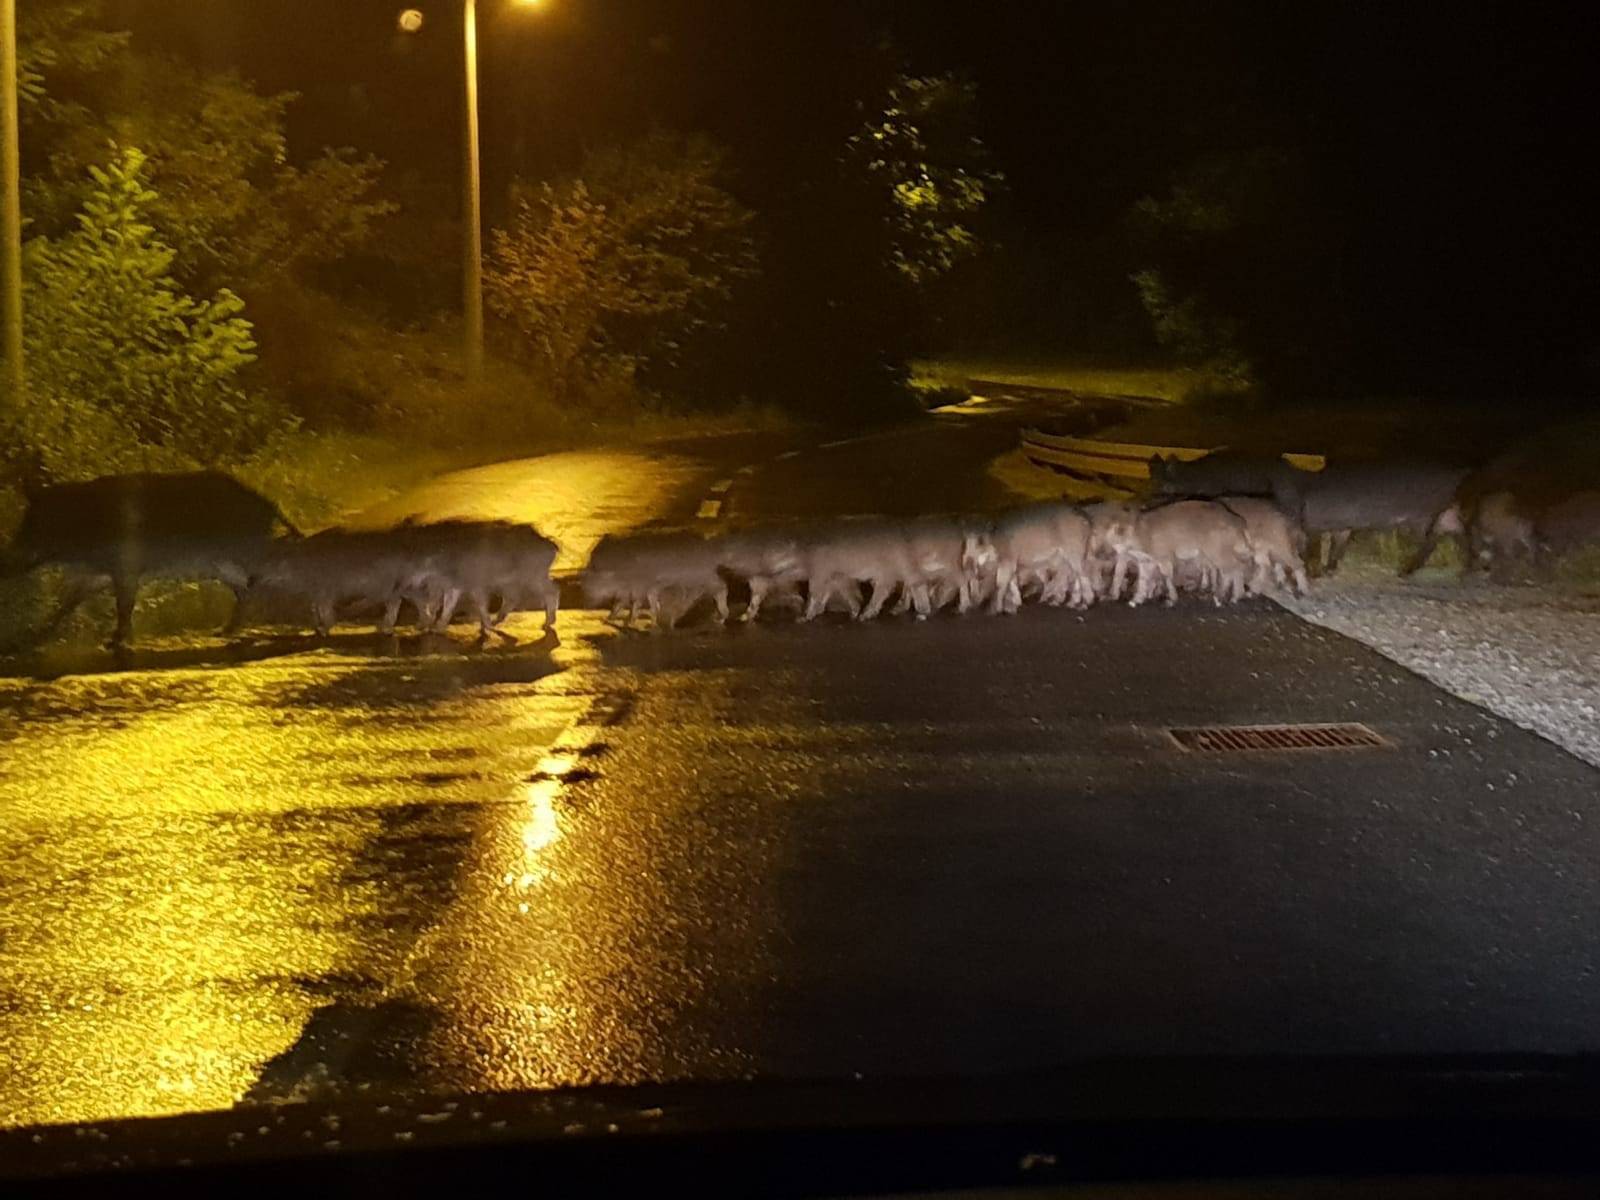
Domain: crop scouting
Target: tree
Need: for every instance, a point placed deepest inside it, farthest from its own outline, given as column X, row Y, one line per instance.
column 1237, row 267
column 61, row 36
column 627, row 260
column 920, row 153
column 227, row 197
column 120, row 357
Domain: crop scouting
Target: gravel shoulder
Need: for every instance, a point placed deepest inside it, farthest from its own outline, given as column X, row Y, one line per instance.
column 1530, row 653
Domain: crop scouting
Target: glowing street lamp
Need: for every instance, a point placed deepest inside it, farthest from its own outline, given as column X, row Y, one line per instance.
column 473, row 282
column 472, row 216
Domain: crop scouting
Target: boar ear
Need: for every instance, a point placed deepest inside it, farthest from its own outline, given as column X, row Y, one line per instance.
column 1158, row 466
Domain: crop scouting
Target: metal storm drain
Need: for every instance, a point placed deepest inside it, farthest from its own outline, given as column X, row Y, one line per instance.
column 1230, row 739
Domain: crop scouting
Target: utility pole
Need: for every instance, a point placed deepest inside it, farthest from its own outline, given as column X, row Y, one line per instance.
column 472, row 210
column 11, row 222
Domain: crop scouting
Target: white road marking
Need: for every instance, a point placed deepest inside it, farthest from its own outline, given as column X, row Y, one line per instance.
column 710, row 510
column 788, row 454
column 746, row 470
column 831, row 445
column 721, row 486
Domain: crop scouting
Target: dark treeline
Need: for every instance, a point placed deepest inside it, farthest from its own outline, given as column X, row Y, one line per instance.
column 1304, row 200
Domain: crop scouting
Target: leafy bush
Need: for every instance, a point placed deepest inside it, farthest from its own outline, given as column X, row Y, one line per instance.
column 622, row 262
column 124, row 367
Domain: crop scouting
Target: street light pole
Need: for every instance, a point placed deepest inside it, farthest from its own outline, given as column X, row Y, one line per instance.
column 11, row 221
column 472, row 209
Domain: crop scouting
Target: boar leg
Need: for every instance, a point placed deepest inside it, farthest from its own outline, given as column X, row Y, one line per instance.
column 238, row 582
column 1004, row 577
column 816, row 599
column 1142, row 582
column 853, row 597
column 1480, row 553
column 1089, row 594
column 1293, row 571
column 391, row 614
column 758, row 591
column 490, row 619
column 127, row 591
column 1316, row 562
column 1449, row 521
column 1336, row 543
column 977, row 591
column 479, row 600
column 875, row 602
column 1063, row 585
column 1119, row 576
column 1051, row 591
column 920, row 600
column 322, row 614
column 652, row 601
column 241, row 592
column 1008, row 598
column 447, row 608
column 1420, row 559
column 719, row 597
column 552, row 604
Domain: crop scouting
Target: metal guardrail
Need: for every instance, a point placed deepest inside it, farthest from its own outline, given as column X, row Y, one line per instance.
column 1121, row 464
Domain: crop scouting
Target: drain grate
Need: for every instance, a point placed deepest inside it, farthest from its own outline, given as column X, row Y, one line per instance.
column 1227, row 739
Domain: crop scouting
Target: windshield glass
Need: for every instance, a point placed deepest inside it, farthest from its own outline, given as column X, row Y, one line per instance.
column 566, row 543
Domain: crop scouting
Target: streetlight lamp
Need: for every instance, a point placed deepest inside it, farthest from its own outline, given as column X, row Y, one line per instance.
column 472, row 246
column 11, row 203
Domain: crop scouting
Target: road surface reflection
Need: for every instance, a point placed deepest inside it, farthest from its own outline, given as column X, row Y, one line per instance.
column 197, row 859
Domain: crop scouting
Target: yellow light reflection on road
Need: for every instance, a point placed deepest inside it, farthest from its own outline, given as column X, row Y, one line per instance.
column 542, row 828
column 191, row 856
column 573, row 497
column 584, row 958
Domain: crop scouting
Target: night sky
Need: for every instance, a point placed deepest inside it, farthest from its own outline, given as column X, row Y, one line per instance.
column 1451, row 146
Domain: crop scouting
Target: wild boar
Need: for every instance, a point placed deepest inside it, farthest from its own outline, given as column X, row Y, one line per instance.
column 480, row 561
column 1276, row 543
column 1113, row 543
column 1223, row 473
column 767, row 559
column 1499, row 532
column 1044, row 546
column 862, row 550
column 338, row 567
column 1196, row 537
column 125, row 528
column 1346, row 498
column 952, row 556
column 651, row 567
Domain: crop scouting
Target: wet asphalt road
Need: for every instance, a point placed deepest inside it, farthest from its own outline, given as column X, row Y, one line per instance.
column 960, row 847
